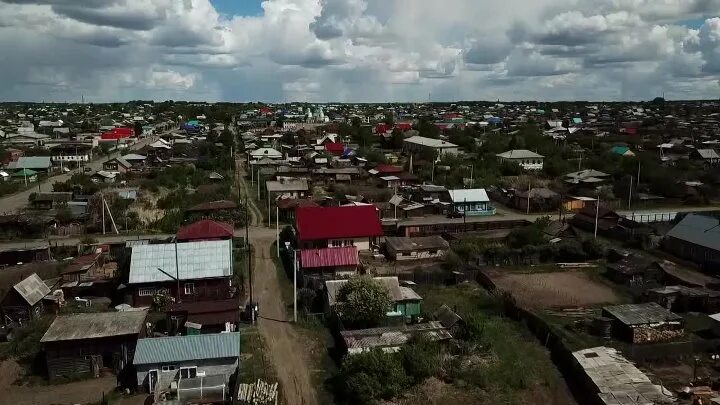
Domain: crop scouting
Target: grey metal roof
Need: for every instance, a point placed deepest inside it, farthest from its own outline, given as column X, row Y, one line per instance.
column 393, row 335
column 95, row 325
column 287, row 185
column 708, row 154
column 31, row 162
column 407, row 244
column 469, row 195
column 641, row 314
column 617, row 380
column 32, row 289
column 187, row 348
column 519, row 154
column 698, row 229
column 430, row 142
column 196, row 260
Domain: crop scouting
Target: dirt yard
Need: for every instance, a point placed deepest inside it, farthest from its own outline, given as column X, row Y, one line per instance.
column 553, row 290
column 81, row 392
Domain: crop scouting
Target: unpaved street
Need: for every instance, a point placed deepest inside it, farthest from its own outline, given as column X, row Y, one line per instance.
column 287, row 352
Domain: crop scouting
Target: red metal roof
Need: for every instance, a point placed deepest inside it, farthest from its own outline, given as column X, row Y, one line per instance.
column 319, row 223
column 381, row 128
column 329, row 257
column 404, row 126
column 206, row 229
column 388, row 169
column 335, row 148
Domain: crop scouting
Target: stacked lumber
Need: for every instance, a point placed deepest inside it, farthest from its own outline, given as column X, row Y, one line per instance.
column 258, row 393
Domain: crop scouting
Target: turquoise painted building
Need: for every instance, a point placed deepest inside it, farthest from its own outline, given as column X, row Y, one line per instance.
column 471, row 202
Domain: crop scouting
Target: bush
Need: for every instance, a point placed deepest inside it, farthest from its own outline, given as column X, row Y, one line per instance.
column 373, row 375
column 420, row 357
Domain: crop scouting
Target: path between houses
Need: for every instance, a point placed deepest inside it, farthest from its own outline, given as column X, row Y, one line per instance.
column 286, row 350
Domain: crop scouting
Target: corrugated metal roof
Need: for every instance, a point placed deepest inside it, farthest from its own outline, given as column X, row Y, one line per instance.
column 32, row 289
column 31, row 162
column 390, row 283
column 187, row 348
column 429, row 142
column 196, row 260
column 393, row 336
column 640, row 314
column 329, row 257
column 519, row 154
column 94, row 325
column 469, row 195
column 700, row 230
column 617, row 380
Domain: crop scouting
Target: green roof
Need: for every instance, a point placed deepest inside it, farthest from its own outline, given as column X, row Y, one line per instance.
column 619, row 150
column 25, row 172
column 187, row 348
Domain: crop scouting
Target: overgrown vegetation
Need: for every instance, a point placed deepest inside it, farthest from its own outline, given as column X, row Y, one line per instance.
column 363, row 302
column 493, row 358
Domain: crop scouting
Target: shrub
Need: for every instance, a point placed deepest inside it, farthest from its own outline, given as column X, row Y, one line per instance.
column 373, row 375
column 420, row 357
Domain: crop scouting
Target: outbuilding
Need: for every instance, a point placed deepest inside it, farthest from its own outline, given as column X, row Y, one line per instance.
column 415, row 248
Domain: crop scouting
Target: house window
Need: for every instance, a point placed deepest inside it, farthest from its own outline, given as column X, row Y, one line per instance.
column 146, row 292
column 170, row 367
column 189, row 288
column 188, row 372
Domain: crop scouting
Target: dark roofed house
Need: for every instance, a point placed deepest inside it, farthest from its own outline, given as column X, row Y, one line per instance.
column 85, row 343
column 696, row 238
column 540, row 199
column 202, row 317
column 322, row 227
column 51, row 199
column 415, row 248
column 213, row 206
column 644, row 323
column 24, row 301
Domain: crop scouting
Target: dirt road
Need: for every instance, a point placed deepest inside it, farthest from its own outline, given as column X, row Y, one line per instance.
column 285, row 346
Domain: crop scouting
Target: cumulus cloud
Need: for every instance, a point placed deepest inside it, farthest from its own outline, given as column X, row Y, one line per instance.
column 360, row 50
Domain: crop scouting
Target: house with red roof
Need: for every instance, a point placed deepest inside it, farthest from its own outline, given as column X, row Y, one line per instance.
column 335, row 148
column 205, row 229
column 330, row 263
column 336, row 227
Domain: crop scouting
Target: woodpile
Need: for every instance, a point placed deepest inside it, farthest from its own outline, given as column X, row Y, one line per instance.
column 258, row 393
column 649, row 334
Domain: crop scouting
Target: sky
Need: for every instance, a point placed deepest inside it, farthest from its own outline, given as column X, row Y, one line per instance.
column 359, row 50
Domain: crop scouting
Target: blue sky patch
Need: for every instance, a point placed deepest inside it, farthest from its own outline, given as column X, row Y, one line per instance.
column 693, row 24
column 238, row 7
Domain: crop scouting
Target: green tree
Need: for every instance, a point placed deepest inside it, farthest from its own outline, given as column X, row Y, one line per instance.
column 138, row 129
column 363, row 302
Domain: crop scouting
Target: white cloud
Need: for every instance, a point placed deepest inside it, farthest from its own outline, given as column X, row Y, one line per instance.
column 359, row 50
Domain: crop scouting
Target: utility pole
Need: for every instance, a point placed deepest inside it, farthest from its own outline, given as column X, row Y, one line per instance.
column 597, row 214
column 277, row 229
column 630, row 192
column 102, row 207
column 295, row 266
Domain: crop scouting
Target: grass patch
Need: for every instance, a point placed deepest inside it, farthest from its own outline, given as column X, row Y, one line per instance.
column 284, row 269
column 255, row 361
column 322, row 366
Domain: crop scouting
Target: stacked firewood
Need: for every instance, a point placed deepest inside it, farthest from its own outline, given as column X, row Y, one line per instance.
column 258, row 393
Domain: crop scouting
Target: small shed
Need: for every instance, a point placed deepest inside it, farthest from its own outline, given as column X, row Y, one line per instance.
column 644, row 323
column 85, row 343
column 391, row 338
column 24, row 301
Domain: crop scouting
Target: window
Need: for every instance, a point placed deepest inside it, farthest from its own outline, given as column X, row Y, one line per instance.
column 189, row 288
column 188, row 372
column 146, row 292
column 170, row 367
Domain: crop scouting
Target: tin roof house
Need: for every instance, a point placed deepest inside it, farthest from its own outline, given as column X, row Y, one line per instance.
column 186, row 361
column 24, row 301
column 191, row 271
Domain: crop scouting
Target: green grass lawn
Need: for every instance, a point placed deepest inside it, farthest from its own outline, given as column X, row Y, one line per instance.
column 254, row 357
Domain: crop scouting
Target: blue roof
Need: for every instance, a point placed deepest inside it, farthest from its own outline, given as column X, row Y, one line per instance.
column 619, row 150
column 187, row 348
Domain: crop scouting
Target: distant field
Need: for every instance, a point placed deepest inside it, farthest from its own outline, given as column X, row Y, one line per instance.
column 553, row 290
